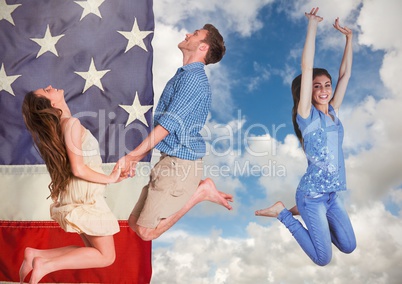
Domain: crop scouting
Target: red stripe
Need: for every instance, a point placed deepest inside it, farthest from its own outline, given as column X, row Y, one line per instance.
column 133, row 255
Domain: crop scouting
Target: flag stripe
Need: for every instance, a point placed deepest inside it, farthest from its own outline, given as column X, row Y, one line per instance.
column 24, row 190
column 132, row 264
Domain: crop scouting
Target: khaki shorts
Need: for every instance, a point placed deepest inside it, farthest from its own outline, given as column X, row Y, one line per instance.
column 172, row 182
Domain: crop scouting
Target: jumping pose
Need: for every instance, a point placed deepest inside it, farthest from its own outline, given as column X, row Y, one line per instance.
column 72, row 157
column 320, row 133
column 175, row 184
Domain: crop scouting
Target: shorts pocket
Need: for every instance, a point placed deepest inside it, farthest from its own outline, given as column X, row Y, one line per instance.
column 178, row 189
column 163, row 175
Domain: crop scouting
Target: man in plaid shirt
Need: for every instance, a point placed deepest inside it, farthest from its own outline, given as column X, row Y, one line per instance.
column 175, row 184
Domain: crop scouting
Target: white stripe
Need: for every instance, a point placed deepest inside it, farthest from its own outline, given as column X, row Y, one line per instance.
column 23, row 192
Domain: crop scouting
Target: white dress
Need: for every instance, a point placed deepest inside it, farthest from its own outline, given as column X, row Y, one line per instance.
column 82, row 208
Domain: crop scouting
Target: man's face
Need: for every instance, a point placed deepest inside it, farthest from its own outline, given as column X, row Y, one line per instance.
column 193, row 40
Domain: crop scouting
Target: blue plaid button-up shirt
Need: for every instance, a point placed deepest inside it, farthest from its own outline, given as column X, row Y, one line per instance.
column 182, row 110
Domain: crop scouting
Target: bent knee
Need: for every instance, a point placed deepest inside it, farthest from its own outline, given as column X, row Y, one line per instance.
column 112, row 259
column 322, row 262
column 349, row 249
column 109, row 259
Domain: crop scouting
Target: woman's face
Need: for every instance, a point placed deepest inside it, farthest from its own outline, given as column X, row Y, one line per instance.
column 322, row 90
column 54, row 95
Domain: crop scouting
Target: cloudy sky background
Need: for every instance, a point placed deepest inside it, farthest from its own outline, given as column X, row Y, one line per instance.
column 254, row 155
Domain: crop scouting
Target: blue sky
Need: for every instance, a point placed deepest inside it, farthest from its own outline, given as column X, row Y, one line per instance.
column 251, row 89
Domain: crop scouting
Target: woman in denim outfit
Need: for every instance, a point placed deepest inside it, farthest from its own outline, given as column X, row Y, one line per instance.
column 321, row 134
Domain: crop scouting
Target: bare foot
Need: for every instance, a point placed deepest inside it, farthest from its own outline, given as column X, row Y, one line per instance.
column 26, row 265
column 38, row 270
column 272, row 211
column 207, row 191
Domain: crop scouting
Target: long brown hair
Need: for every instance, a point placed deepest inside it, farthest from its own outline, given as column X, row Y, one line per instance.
column 296, row 84
column 43, row 122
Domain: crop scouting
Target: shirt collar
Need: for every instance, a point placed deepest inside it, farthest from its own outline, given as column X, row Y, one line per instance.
column 194, row 65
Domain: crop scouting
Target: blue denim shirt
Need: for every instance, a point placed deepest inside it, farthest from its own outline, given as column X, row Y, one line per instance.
column 323, row 138
column 182, row 110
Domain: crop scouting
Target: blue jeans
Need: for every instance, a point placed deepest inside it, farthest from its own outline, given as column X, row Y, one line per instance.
column 327, row 222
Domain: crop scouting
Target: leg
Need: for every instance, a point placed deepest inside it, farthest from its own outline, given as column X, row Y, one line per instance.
column 316, row 239
column 100, row 254
column 294, row 210
column 342, row 233
column 132, row 219
column 206, row 191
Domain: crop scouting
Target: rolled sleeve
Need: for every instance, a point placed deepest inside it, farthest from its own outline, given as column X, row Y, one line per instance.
column 182, row 110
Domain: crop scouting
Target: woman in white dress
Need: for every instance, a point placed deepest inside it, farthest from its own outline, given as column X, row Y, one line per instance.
column 71, row 154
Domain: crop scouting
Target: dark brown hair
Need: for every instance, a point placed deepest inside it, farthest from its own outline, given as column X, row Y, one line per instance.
column 296, row 84
column 216, row 44
column 43, row 122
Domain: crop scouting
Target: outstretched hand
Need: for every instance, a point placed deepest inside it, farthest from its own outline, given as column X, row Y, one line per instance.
column 313, row 15
column 115, row 175
column 127, row 166
column 345, row 30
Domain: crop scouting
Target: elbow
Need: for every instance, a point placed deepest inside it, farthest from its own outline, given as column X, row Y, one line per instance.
column 345, row 76
column 77, row 171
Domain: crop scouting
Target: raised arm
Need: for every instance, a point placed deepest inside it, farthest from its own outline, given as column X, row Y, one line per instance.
column 345, row 70
column 307, row 64
column 73, row 131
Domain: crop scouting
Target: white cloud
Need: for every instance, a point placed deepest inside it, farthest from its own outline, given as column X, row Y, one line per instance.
column 372, row 173
column 379, row 24
column 391, row 70
column 329, row 10
column 373, row 126
column 167, row 56
column 219, row 77
column 230, row 16
column 269, row 254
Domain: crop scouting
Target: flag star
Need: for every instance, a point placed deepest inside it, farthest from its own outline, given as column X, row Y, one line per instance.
column 92, row 76
column 6, row 10
column 136, row 111
column 90, row 7
column 135, row 37
column 6, row 81
column 47, row 43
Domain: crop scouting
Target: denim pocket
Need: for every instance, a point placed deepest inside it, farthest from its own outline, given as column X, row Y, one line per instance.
column 313, row 194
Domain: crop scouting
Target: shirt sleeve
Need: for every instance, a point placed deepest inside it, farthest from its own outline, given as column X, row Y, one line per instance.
column 304, row 122
column 189, row 92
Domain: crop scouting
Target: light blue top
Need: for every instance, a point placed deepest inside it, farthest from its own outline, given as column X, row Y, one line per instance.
column 182, row 110
column 323, row 139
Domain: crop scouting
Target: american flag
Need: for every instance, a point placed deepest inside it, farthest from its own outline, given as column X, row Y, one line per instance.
column 100, row 53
